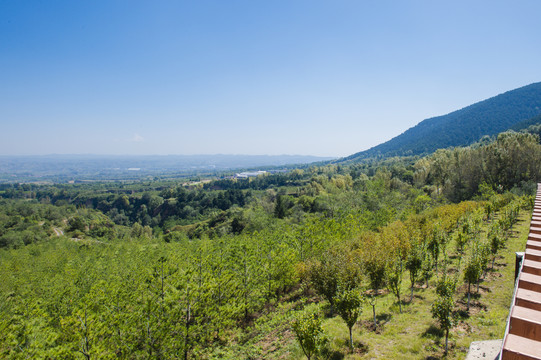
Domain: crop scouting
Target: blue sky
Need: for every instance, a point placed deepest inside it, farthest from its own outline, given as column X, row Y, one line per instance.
column 249, row 77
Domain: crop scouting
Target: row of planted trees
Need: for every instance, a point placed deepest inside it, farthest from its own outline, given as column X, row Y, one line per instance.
column 419, row 248
column 143, row 299
column 138, row 300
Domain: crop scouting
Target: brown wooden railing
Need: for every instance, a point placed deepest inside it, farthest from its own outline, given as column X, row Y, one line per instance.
column 522, row 338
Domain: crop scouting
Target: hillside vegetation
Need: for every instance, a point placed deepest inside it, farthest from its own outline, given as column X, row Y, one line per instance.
column 367, row 260
column 461, row 127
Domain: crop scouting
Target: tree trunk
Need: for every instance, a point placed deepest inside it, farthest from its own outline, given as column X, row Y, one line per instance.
column 374, row 312
column 85, row 346
column 469, row 296
column 411, row 296
column 308, row 356
column 350, row 340
column 446, row 341
column 187, row 333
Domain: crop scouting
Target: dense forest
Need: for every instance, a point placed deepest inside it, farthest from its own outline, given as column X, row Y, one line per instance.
column 463, row 127
column 292, row 265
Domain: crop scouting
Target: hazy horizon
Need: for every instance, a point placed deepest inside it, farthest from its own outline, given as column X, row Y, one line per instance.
column 250, row 78
column 63, row 167
column 165, row 155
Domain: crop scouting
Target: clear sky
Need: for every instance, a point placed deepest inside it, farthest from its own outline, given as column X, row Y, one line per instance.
column 249, row 77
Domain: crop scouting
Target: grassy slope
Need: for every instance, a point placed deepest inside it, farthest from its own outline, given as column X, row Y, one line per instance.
column 410, row 335
column 415, row 335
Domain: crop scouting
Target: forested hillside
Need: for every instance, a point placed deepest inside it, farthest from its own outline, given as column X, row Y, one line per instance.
column 462, row 127
column 273, row 267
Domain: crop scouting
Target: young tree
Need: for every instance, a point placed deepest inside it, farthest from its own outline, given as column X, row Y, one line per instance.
column 222, row 290
column 186, row 313
column 496, row 243
column 438, row 243
column 472, row 272
column 442, row 308
column 433, row 245
column 309, row 333
column 247, row 275
column 156, row 326
column 414, row 263
column 427, row 267
column 349, row 307
column 373, row 265
column 483, row 252
column 461, row 241
column 375, row 269
column 393, row 275
column 86, row 343
column 336, row 269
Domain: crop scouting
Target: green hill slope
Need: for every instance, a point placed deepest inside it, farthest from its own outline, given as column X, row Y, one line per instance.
column 462, row 127
column 526, row 124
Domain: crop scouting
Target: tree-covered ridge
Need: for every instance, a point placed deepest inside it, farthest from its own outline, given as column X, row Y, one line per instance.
column 462, row 127
column 234, row 206
column 524, row 125
column 511, row 160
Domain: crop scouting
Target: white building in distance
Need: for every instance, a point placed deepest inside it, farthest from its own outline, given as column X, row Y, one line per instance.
column 248, row 174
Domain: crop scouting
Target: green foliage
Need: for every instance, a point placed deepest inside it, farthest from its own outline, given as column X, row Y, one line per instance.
column 461, row 240
column 443, row 306
column 281, row 207
column 163, row 270
column 76, row 223
column 503, row 164
column 394, row 271
column 349, row 307
column 472, row 272
column 414, row 263
column 336, row 269
column 309, row 334
column 436, row 243
column 442, row 309
column 496, row 242
column 372, row 261
column 462, row 127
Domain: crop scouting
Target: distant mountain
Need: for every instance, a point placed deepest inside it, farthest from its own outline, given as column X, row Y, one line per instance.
column 462, row 127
